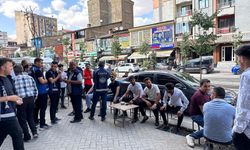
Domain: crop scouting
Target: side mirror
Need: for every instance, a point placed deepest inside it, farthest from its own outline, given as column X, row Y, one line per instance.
column 180, row 86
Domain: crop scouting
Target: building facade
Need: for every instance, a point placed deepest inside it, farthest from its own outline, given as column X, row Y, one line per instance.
column 3, row 39
column 30, row 25
column 103, row 12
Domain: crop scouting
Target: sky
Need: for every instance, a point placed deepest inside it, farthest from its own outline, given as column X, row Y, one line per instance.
column 70, row 14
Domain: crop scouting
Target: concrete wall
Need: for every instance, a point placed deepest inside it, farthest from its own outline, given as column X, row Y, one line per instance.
column 242, row 13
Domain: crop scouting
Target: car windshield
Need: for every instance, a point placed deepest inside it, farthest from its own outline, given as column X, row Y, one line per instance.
column 188, row 79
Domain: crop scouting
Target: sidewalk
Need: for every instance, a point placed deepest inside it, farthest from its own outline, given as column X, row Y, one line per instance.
column 97, row 135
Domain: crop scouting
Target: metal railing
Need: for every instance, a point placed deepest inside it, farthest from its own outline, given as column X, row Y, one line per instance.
column 226, row 4
column 225, row 30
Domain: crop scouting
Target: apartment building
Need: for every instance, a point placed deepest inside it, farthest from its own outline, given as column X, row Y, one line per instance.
column 3, row 39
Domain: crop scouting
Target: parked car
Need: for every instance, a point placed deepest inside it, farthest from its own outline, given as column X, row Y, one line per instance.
column 193, row 65
column 160, row 66
column 82, row 64
column 127, row 67
column 188, row 84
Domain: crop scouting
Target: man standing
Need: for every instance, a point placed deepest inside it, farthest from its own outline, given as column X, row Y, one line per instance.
column 101, row 77
column 137, row 91
column 53, row 78
column 241, row 137
column 199, row 98
column 75, row 91
column 27, row 90
column 174, row 101
column 63, row 85
column 8, row 121
column 151, row 98
column 42, row 86
column 87, row 76
column 216, row 129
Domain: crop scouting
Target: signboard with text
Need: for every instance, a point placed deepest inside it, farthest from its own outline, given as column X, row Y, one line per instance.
column 162, row 37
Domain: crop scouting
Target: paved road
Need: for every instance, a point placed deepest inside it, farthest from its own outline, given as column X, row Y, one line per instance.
column 97, row 135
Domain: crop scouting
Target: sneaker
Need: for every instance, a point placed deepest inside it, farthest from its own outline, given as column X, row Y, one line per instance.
column 87, row 110
column 91, row 118
column 35, row 135
column 75, row 120
column 134, row 120
column 57, row 119
column 145, row 118
column 45, row 126
column 190, row 141
column 54, row 122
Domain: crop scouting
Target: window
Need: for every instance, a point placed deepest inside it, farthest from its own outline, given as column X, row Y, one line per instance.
column 141, row 77
column 164, row 79
column 226, row 22
column 203, row 4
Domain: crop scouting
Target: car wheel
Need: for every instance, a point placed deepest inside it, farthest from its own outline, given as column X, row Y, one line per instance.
column 204, row 71
column 181, row 70
column 130, row 71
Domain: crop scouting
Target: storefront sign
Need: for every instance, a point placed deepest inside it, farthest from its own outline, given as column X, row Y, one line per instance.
column 162, row 37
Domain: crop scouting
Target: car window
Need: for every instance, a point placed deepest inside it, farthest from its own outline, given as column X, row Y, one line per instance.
column 122, row 65
column 188, row 79
column 127, row 64
column 164, row 79
column 141, row 77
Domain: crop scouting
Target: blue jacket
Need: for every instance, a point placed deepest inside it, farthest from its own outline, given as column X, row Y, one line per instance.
column 7, row 113
column 42, row 88
column 100, row 78
column 76, row 89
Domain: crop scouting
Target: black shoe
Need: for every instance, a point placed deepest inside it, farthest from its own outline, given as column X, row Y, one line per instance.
column 91, row 118
column 57, row 119
column 87, row 110
column 145, row 118
column 134, row 120
column 71, row 114
column 26, row 139
column 157, row 124
column 75, row 120
column 54, row 122
column 103, row 119
column 44, row 126
column 99, row 115
column 63, row 107
column 35, row 135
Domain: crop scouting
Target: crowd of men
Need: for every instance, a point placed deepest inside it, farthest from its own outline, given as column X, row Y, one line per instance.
column 25, row 94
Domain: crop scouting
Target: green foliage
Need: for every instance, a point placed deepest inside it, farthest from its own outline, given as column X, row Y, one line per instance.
column 92, row 62
column 185, row 47
column 146, row 64
column 202, row 20
column 144, row 49
column 116, row 48
column 153, row 60
column 237, row 39
column 83, row 50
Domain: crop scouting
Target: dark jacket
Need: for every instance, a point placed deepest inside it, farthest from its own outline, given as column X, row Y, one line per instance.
column 76, row 89
column 100, row 78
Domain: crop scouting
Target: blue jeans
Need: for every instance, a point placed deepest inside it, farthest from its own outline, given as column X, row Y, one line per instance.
column 96, row 97
column 199, row 120
column 89, row 97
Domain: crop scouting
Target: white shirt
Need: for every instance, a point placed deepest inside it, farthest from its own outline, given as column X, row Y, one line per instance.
column 242, row 117
column 136, row 89
column 63, row 76
column 152, row 92
column 177, row 99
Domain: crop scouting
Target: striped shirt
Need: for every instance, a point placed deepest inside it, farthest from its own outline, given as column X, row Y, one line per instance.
column 25, row 86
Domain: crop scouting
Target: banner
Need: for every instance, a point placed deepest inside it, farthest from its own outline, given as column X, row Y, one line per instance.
column 162, row 37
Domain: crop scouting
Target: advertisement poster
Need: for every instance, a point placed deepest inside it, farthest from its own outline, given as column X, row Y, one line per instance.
column 162, row 37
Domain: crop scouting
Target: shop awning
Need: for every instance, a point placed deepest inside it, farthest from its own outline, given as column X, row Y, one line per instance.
column 137, row 55
column 121, row 57
column 163, row 53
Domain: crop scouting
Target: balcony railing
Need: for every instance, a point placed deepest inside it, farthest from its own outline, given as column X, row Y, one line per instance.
column 183, row 14
column 225, row 30
column 226, row 4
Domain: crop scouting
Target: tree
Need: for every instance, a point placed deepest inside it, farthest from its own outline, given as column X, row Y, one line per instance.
column 82, row 49
column 237, row 40
column 116, row 48
column 144, row 49
column 204, row 41
column 66, row 43
column 185, row 47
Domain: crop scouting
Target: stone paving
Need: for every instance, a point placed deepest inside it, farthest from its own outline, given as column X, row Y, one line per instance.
column 97, row 135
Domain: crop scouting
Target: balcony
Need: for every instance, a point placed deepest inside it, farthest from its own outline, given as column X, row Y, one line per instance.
column 227, row 4
column 225, row 30
column 184, row 13
column 182, row 1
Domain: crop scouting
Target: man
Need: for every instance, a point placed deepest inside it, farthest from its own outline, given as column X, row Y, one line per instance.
column 101, row 77
column 8, row 98
column 151, row 98
column 137, row 91
column 115, row 88
column 63, row 85
column 27, row 90
column 174, row 101
column 241, row 129
column 42, row 86
column 199, row 98
column 216, row 129
column 87, row 76
column 75, row 91
column 53, row 78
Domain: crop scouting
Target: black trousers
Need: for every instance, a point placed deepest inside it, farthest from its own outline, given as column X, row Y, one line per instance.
column 77, row 106
column 12, row 128
column 41, row 105
column 86, row 88
column 62, row 95
column 139, row 102
column 172, row 110
column 241, row 141
column 25, row 115
column 155, row 111
column 54, row 100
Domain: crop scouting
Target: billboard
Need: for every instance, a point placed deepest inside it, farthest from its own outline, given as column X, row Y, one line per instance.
column 162, row 37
